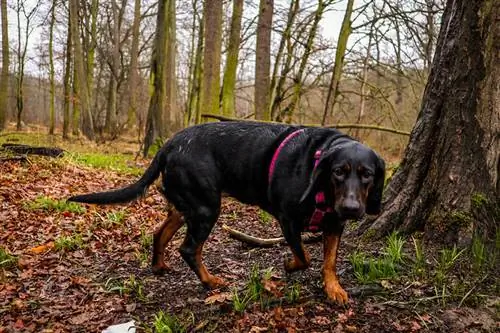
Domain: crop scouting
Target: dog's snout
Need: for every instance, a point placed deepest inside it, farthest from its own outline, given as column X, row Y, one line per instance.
column 351, row 205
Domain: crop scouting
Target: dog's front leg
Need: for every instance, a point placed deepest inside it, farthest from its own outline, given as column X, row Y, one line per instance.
column 333, row 289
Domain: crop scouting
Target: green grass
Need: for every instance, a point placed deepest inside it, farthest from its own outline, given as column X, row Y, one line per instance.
column 116, row 217
column 265, row 218
column 254, row 290
column 293, row 293
column 447, row 258
column 369, row 269
column 130, row 286
column 114, row 162
column 394, row 248
column 478, row 254
column 166, row 323
column 69, row 243
column 49, row 204
column 419, row 265
column 7, row 260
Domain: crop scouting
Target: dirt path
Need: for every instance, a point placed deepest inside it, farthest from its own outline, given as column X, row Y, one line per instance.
column 99, row 273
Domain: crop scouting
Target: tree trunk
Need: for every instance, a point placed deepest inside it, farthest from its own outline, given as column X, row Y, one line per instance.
column 263, row 60
column 297, row 82
column 194, row 99
column 68, row 95
column 157, row 82
column 210, row 87
column 448, row 183
column 229, row 81
column 133, row 72
column 333, row 90
column 4, row 78
column 81, row 91
column 196, row 49
column 52, row 111
column 171, row 109
column 276, row 87
column 111, row 124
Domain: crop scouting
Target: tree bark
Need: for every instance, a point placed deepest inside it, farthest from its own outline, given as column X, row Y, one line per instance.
column 171, row 109
column 67, row 83
column 448, row 182
column 229, row 81
column 157, row 81
column 133, row 72
column 333, row 90
column 210, row 87
column 4, row 78
column 80, row 79
column 52, row 111
column 263, row 60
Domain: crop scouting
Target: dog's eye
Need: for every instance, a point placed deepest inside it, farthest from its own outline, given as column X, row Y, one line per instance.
column 339, row 172
column 367, row 174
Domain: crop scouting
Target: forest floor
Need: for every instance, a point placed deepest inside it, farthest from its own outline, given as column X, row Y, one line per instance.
column 81, row 268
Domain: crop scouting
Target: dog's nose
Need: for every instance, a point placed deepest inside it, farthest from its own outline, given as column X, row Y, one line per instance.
column 350, row 208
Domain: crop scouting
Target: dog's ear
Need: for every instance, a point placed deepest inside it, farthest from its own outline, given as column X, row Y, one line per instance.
column 318, row 173
column 374, row 200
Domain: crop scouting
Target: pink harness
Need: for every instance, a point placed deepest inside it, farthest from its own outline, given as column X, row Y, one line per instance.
column 314, row 224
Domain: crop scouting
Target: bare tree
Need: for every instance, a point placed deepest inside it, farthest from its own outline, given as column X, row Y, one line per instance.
column 210, row 87
column 4, row 78
column 52, row 111
column 263, row 60
column 229, row 81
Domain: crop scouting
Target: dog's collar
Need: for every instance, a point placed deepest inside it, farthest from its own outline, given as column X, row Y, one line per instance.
column 314, row 224
column 320, row 210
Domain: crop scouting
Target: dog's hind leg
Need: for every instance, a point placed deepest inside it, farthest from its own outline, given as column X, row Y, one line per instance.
column 200, row 224
column 162, row 236
column 301, row 259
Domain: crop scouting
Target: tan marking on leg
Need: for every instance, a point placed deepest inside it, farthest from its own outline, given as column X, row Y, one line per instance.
column 206, row 278
column 162, row 236
column 332, row 286
column 295, row 264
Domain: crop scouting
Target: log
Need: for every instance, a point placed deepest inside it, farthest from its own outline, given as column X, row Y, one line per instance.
column 267, row 242
column 359, row 126
column 26, row 149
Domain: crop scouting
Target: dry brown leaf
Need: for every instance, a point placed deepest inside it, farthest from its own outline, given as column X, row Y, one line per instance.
column 42, row 248
column 219, row 297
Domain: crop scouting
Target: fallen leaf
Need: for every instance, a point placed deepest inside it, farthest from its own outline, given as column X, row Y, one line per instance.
column 320, row 320
column 19, row 324
column 42, row 248
column 130, row 307
column 272, row 287
column 349, row 328
column 219, row 297
column 415, row 326
column 257, row 329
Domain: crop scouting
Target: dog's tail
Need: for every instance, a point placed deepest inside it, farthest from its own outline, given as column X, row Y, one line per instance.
column 128, row 193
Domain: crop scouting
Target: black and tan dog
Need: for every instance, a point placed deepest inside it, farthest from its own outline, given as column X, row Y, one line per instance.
column 309, row 178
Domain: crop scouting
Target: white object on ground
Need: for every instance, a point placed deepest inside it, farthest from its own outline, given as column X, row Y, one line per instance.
column 128, row 327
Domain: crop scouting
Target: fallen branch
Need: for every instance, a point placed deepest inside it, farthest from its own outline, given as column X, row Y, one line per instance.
column 359, row 126
column 25, row 149
column 267, row 242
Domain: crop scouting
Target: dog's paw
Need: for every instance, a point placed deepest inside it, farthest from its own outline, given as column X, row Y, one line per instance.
column 336, row 293
column 293, row 265
column 160, row 269
column 214, row 282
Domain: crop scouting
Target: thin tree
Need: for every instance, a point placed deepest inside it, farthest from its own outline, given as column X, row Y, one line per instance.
column 333, row 90
column 448, row 183
column 80, row 79
column 210, row 86
column 157, row 81
column 22, row 48
column 68, row 97
column 133, row 71
column 171, row 109
column 263, row 60
column 52, row 111
column 229, row 81
column 4, row 78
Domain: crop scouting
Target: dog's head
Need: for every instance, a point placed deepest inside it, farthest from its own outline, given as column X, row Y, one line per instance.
column 352, row 175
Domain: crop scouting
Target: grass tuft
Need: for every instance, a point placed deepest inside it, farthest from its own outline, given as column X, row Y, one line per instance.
column 7, row 260
column 69, row 243
column 166, row 323
column 49, row 204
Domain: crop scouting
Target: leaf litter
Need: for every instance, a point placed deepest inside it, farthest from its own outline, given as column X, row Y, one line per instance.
column 53, row 290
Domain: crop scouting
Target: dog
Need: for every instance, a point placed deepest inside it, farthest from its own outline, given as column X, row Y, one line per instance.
column 309, row 178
